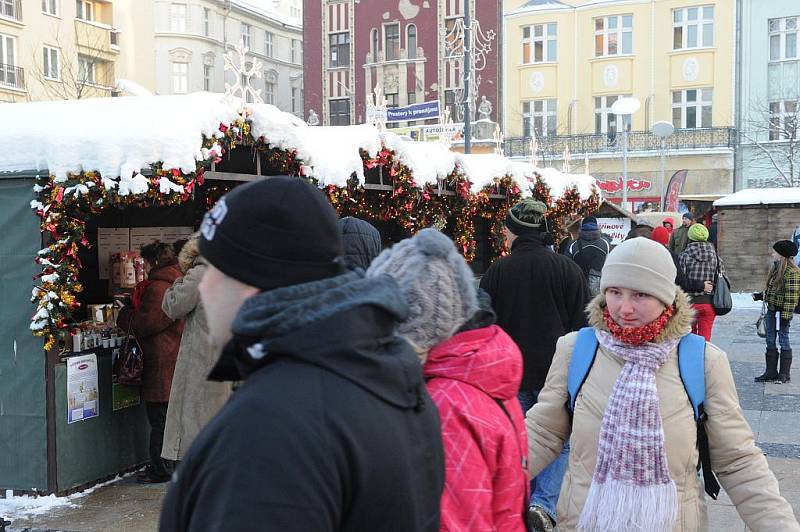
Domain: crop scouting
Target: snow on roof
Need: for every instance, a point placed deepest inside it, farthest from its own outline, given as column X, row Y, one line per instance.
column 115, row 136
column 559, row 182
column 483, row 169
column 540, row 5
column 760, row 196
column 428, row 161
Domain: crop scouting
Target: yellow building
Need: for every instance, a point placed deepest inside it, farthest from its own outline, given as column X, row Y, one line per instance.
column 57, row 49
column 566, row 63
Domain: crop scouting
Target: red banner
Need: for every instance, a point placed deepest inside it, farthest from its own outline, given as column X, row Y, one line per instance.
column 674, row 189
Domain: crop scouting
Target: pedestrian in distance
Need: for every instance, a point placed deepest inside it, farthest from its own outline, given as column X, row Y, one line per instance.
column 699, row 264
column 193, row 399
column 642, row 227
column 679, row 238
column 589, row 252
column 538, row 296
column 781, row 295
column 473, row 370
column 669, row 225
column 635, row 437
column 332, row 429
column 661, row 235
column 160, row 338
column 361, row 242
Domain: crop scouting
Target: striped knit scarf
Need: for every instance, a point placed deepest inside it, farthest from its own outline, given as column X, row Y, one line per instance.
column 631, row 488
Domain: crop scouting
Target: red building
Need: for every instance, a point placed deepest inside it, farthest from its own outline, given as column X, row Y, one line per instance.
column 410, row 47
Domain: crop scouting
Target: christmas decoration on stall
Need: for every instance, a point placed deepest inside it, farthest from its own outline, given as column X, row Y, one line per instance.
column 493, row 203
column 568, row 207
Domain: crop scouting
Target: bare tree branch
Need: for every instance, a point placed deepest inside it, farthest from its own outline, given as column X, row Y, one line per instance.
column 775, row 137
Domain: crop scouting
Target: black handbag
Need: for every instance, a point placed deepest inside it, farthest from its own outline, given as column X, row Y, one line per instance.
column 721, row 299
column 131, row 361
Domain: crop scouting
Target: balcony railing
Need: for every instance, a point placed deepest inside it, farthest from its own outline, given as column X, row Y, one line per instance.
column 12, row 76
column 682, row 139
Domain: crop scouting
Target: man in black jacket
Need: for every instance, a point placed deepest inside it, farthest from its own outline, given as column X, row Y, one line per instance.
column 589, row 252
column 538, row 296
column 332, row 429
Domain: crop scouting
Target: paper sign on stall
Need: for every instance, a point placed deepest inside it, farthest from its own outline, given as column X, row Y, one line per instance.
column 616, row 228
column 141, row 236
column 82, row 395
column 111, row 240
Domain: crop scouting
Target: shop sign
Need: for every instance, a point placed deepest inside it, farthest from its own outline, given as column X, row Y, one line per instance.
column 82, row 394
column 616, row 228
column 614, row 186
column 417, row 111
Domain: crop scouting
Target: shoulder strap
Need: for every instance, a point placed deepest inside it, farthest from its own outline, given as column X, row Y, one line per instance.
column 691, row 363
column 583, row 355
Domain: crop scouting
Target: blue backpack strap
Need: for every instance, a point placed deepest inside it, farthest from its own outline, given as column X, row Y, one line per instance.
column 691, row 363
column 583, row 355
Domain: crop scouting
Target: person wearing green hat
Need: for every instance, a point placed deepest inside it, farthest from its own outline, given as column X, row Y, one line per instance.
column 698, row 264
column 538, row 296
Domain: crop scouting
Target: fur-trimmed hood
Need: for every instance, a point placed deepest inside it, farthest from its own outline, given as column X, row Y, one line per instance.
column 678, row 326
column 190, row 253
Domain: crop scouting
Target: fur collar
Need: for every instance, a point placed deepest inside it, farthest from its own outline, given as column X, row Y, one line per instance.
column 190, row 254
column 678, row 326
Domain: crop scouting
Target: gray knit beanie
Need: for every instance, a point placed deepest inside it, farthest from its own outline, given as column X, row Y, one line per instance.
column 437, row 283
column 643, row 265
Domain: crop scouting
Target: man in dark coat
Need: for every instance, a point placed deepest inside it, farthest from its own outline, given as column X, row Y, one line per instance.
column 538, row 296
column 361, row 242
column 589, row 252
column 679, row 238
column 332, row 429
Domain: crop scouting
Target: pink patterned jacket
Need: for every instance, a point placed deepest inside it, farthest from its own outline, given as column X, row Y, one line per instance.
column 486, row 480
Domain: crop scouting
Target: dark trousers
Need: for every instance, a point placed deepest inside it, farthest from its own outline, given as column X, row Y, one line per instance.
column 157, row 417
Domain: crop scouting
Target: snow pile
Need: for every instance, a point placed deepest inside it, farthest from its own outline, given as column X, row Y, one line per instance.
column 743, row 301
column 559, row 182
column 428, row 161
column 760, row 196
column 115, row 136
column 484, row 169
column 15, row 507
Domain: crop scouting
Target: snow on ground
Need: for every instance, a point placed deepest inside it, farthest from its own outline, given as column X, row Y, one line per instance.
column 760, row 196
column 745, row 301
column 14, row 507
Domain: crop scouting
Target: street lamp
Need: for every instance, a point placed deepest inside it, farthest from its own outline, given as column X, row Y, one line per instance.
column 624, row 108
column 662, row 130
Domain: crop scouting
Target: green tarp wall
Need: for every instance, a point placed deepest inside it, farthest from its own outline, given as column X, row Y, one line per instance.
column 23, row 423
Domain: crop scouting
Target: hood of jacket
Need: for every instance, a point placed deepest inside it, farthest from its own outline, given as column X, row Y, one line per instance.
column 190, row 254
column 167, row 274
column 589, row 236
column 361, row 242
column 678, row 326
column 701, row 251
column 530, row 241
column 344, row 324
column 485, row 358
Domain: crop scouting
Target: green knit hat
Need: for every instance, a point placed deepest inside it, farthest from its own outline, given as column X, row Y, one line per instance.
column 698, row 233
column 527, row 216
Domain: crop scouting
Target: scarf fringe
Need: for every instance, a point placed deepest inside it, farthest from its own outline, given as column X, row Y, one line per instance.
column 623, row 507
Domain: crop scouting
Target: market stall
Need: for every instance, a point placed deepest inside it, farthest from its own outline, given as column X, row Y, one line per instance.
column 105, row 176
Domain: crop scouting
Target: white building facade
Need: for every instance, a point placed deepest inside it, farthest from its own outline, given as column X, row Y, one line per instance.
column 191, row 37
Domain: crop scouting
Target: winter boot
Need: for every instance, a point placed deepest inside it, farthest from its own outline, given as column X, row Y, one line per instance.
column 539, row 521
column 786, row 364
column 772, row 367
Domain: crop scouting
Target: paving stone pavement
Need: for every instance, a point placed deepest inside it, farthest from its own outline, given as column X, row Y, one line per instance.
column 773, row 411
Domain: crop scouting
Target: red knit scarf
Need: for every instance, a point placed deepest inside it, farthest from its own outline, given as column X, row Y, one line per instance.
column 638, row 335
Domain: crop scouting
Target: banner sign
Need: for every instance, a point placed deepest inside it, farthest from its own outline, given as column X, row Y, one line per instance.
column 616, row 228
column 674, row 189
column 417, row 111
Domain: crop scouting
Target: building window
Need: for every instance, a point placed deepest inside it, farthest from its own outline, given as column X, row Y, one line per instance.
column 50, row 7
column 295, row 9
column 207, row 71
column 783, row 120
column 411, row 41
column 8, row 61
column 412, row 98
column 295, row 52
column 295, row 102
column 180, row 78
column 605, row 121
column 539, row 118
column 84, row 9
column 339, row 112
column 339, row 49
column 86, row 69
column 52, row 69
column 374, row 39
column 539, row 43
column 9, row 9
column 692, row 108
column 269, row 92
column 268, row 44
column 613, row 35
column 783, row 38
column 206, row 21
column 692, row 27
column 450, row 103
column 246, row 34
column 391, row 41
column 177, row 18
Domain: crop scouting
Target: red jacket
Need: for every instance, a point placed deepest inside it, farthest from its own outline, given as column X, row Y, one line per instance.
column 159, row 335
column 486, row 480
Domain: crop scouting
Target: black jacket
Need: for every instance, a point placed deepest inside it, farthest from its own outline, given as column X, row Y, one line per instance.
column 589, row 251
column 538, row 296
column 360, row 240
column 332, row 430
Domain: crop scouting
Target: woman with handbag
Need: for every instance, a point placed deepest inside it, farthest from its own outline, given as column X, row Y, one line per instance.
column 781, row 297
column 160, row 337
column 699, row 263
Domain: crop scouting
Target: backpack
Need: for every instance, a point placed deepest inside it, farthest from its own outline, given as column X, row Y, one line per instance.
column 592, row 274
column 691, row 364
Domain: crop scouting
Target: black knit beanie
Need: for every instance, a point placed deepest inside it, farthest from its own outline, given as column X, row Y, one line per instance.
column 273, row 233
column 785, row 248
column 527, row 217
